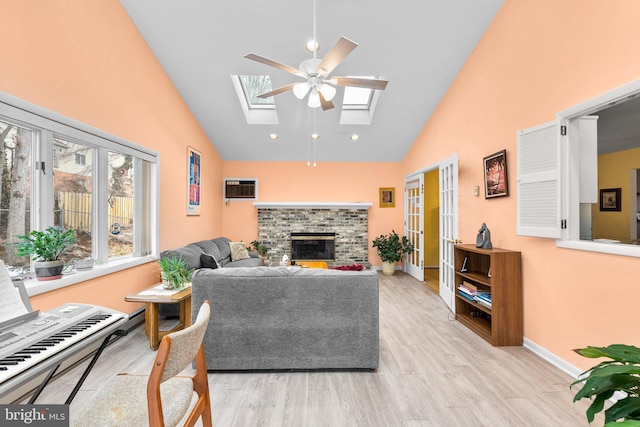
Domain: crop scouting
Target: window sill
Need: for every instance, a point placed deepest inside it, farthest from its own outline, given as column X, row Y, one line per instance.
column 606, row 248
column 36, row 287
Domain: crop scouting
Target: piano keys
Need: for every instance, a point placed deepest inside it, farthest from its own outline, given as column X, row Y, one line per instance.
column 34, row 346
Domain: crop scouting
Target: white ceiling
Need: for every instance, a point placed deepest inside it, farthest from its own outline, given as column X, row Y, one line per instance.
column 419, row 46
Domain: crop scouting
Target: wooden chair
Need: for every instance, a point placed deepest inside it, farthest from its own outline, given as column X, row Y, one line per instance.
column 163, row 397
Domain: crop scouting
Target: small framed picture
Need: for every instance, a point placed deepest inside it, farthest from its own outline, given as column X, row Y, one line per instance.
column 193, row 181
column 388, row 197
column 495, row 175
column 610, row 199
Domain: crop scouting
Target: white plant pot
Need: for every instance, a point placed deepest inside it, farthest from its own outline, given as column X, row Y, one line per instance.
column 388, row 268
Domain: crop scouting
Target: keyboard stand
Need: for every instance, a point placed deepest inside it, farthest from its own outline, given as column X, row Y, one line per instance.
column 94, row 359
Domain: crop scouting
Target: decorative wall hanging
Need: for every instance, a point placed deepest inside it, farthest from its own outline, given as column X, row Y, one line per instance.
column 610, row 199
column 388, row 197
column 495, row 175
column 194, row 159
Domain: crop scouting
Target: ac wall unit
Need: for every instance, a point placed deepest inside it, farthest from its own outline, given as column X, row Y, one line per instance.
column 240, row 189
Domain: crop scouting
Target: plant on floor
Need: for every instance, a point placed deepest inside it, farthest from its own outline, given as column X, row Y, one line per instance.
column 45, row 247
column 175, row 272
column 391, row 249
column 259, row 247
column 620, row 374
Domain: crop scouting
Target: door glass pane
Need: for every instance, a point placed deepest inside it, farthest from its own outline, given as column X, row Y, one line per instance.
column 72, row 189
column 120, row 204
column 15, row 193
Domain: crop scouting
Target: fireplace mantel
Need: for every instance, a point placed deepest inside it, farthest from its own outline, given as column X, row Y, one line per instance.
column 312, row 205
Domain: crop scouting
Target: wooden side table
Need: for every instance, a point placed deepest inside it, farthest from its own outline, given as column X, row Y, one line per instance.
column 152, row 301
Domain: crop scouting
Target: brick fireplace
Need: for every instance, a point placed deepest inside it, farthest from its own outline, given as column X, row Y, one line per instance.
column 349, row 222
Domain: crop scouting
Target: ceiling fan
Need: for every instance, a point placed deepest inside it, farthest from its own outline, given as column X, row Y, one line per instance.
column 316, row 72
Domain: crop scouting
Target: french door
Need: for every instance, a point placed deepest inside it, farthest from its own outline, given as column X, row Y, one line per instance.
column 448, row 227
column 414, row 224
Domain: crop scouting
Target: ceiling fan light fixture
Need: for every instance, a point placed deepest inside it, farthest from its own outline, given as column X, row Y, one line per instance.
column 300, row 89
column 312, row 46
column 327, row 91
column 314, row 99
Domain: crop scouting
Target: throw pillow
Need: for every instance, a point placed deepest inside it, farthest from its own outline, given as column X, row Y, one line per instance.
column 238, row 251
column 208, row 261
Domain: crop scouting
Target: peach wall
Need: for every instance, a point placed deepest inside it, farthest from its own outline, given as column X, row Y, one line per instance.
column 536, row 59
column 327, row 182
column 87, row 61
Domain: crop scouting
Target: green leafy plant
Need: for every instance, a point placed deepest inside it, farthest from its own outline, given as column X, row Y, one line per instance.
column 620, row 374
column 45, row 245
column 391, row 248
column 259, row 247
column 175, row 272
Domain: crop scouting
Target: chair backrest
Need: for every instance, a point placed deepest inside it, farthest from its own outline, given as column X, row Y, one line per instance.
column 184, row 344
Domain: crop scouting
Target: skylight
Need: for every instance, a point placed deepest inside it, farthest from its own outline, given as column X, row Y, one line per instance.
column 357, row 98
column 256, row 110
column 252, row 86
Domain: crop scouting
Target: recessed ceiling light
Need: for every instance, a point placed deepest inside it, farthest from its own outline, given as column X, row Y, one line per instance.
column 273, row 136
column 312, row 46
column 354, row 137
column 315, row 136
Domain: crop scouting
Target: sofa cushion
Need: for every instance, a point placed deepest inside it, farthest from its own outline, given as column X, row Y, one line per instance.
column 223, row 248
column 208, row 261
column 247, row 262
column 190, row 253
column 238, row 251
column 209, row 247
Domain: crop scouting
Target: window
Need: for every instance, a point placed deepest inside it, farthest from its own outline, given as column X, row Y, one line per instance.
column 81, row 159
column 256, row 110
column 59, row 172
column 359, row 104
column 564, row 166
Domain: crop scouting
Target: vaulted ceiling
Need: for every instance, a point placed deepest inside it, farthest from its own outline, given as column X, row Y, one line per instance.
column 418, row 45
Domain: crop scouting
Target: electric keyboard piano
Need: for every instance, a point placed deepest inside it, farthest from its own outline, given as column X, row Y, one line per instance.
column 32, row 346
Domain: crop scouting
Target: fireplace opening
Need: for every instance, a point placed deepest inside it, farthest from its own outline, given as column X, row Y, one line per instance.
column 313, row 246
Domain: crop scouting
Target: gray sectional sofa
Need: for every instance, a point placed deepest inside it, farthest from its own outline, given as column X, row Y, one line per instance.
column 289, row 318
column 218, row 248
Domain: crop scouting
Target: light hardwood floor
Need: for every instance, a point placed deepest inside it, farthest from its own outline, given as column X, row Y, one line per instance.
column 433, row 372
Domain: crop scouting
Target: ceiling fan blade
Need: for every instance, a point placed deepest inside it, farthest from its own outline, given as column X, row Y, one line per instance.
column 326, row 105
column 377, row 84
column 277, row 91
column 338, row 52
column 272, row 63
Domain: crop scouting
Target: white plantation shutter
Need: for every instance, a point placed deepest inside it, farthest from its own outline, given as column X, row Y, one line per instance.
column 538, row 181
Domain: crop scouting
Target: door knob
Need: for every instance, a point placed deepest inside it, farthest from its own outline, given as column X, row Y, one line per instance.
column 455, row 242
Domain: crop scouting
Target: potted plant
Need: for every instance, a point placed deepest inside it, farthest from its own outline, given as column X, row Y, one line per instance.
column 260, row 248
column 391, row 249
column 620, row 375
column 174, row 272
column 45, row 247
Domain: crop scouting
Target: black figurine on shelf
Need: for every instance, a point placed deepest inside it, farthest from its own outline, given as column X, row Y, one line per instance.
column 483, row 240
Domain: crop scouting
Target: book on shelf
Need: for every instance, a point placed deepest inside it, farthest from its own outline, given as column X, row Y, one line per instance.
column 470, row 285
column 483, row 299
column 466, row 296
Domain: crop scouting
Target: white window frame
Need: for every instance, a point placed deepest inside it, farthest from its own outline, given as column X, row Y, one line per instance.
column 569, row 173
column 46, row 124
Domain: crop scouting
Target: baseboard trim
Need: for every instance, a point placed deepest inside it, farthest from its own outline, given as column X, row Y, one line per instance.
column 552, row 358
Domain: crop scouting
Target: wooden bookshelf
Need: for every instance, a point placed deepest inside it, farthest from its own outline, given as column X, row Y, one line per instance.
column 500, row 325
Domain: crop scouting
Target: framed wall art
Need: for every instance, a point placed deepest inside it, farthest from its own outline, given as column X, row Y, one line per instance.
column 194, row 162
column 610, row 199
column 495, row 175
column 387, row 197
